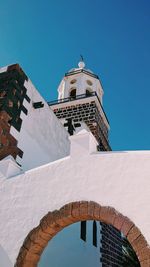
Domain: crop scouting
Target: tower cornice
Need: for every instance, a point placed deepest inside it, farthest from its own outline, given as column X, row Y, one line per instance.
column 76, row 71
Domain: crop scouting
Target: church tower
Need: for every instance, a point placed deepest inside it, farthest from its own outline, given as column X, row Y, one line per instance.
column 80, row 105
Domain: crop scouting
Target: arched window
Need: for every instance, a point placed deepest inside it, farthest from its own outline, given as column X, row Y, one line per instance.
column 73, row 93
column 88, row 92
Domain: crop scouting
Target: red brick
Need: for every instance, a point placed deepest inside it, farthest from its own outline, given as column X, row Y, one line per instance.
column 76, row 210
column 145, row 263
column 126, row 226
column 96, row 212
column 139, row 243
column 133, row 234
column 107, row 215
column 118, row 221
column 84, row 210
column 144, row 253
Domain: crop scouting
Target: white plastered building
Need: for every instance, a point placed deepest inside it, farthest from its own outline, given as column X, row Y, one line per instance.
column 57, row 169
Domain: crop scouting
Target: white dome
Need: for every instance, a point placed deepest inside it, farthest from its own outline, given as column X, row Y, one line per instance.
column 81, row 64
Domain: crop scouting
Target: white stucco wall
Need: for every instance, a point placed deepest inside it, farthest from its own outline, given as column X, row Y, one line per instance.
column 4, row 259
column 42, row 138
column 117, row 179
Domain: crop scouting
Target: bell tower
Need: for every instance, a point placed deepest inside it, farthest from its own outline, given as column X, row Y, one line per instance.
column 79, row 104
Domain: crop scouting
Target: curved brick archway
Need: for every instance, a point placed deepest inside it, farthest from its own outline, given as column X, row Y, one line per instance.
column 55, row 221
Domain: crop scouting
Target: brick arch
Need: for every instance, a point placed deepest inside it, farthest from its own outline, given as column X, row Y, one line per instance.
column 55, row 221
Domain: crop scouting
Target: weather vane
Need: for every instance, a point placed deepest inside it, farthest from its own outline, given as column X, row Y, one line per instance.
column 81, row 58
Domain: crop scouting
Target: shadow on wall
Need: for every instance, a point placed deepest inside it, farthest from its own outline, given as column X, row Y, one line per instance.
column 4, row 259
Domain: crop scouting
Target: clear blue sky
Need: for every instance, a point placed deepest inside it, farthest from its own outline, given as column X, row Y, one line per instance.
column 46, row 38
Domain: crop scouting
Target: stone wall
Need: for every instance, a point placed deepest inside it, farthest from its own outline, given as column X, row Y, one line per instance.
column 89, row 113
column 111, row 246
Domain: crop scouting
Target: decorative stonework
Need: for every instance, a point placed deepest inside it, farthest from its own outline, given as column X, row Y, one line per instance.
column 55, row 221
column 88, row 113
column 8, row 144
column 12, row 95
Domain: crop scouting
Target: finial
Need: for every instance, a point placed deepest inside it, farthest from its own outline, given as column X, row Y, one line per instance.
column 81, row 58
column 81, row 64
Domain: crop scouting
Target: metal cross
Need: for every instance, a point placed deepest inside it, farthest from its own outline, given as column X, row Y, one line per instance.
column 71, row 127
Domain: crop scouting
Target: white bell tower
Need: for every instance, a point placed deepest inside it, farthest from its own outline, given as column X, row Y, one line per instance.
column 79, row 104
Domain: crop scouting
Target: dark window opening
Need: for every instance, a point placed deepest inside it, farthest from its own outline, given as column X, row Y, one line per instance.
column 88, row 93
column 73, row 94
column 94, row 234
column 83, row 231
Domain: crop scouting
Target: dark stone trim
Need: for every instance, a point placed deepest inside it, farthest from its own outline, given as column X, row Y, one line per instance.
column 81, row 71
column 8, row 144
column 13, row 93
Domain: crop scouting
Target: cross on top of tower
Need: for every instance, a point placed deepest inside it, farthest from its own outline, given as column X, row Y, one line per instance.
column 81, row 58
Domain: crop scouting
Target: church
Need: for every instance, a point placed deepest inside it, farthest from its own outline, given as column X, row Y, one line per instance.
column 65, row 196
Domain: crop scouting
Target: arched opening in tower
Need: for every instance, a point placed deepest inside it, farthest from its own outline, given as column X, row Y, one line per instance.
column 88, row 92
column 73, row 94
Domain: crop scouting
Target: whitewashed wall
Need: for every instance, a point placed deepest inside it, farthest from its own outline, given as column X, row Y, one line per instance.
column 4, row 259
column 117, row 179
column 42, row 138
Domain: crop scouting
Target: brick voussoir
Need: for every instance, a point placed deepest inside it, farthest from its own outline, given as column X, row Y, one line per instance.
column 66, row 216
column 22, row 253
column 76, row 210
column 126, row 226
column 133, row 234
column 48, row 224
column 31, row 258
column 84, row 210
column 145, row 263
column 118, row 221
column 107, row 215
column 144, row 254
column 96, row 211
column 34, row 246
column 112, row 216
column 91, row 207
column 139, row 243
column 29, row 264
column 38, row 236
column 68, row 210
column 28, row 244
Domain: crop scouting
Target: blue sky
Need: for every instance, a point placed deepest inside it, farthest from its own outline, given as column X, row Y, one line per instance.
column 46, row 38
